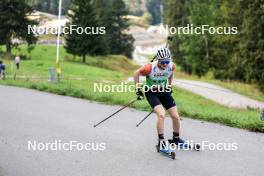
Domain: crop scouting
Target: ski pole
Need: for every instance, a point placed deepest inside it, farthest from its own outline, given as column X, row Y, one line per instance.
column 115, row 113
column 144, row 118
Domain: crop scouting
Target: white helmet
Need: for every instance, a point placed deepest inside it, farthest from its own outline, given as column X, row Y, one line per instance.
column 163, row 53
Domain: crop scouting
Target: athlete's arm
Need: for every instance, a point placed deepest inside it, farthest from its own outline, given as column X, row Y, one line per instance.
column 143, row 71
column 170, row 79
column 136, row 76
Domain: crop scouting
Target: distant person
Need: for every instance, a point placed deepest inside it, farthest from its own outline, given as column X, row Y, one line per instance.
column 262, row 115
column 17, row 61
column 2, row 70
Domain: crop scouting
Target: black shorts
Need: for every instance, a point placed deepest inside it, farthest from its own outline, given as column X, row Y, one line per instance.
column 157, row 98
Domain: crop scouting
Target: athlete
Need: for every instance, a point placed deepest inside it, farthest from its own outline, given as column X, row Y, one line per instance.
column 158, row 90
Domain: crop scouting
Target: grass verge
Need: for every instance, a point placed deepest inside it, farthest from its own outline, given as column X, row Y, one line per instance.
column 189, row 105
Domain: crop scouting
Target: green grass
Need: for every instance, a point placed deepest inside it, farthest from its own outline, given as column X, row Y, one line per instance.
column 112, row 69
column 112, row 62
column 43, row 57
column 197, row 107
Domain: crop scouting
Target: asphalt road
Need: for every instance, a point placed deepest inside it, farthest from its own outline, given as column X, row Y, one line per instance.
column 218, row 94
column 28, row 115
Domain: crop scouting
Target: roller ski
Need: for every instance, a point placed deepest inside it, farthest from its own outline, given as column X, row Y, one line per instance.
column 164, row 149
column 184, row 145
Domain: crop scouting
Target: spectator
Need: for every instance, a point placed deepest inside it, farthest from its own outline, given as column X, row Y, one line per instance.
column 2, row 70
column 17, row 61
column 262, row 115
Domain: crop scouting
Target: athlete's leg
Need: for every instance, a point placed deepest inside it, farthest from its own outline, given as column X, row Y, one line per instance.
column 175, row 120
column 159, row 110
column 157, row 107
column 170, row 105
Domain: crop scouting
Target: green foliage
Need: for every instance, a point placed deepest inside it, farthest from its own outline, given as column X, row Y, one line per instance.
column 196, row 49
column 119, row 41
column 102, row 16
column 154, row 8
column 175, row 14
column 252, row 41
column 83, row 15
column 93, row 13
column 51, row 6
column 14, row 23
column 236, row 57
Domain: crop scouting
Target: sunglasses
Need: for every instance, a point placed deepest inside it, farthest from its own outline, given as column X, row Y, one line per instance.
column 164, row 62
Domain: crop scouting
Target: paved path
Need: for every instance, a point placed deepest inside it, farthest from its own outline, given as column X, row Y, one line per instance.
column 218, row 94
column 28, row 115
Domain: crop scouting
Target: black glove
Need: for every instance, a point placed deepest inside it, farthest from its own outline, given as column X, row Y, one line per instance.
column 169, row 38
column 140, row 94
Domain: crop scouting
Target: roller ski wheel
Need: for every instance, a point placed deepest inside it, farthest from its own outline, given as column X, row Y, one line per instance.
column 166, row 152
column 173, row 155
column 184, row 145
column 197, row 147
column 157, row 147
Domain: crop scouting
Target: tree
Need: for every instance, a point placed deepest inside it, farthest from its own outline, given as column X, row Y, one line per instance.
column 83, row 15
column 120, row 42
column 197, row 49
column 252, row 41
column 51, row 6
column 228, row 56
column 225, row 62
column 102, row 15
column 154, row 8
column 175, row 15
column 14, row 23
